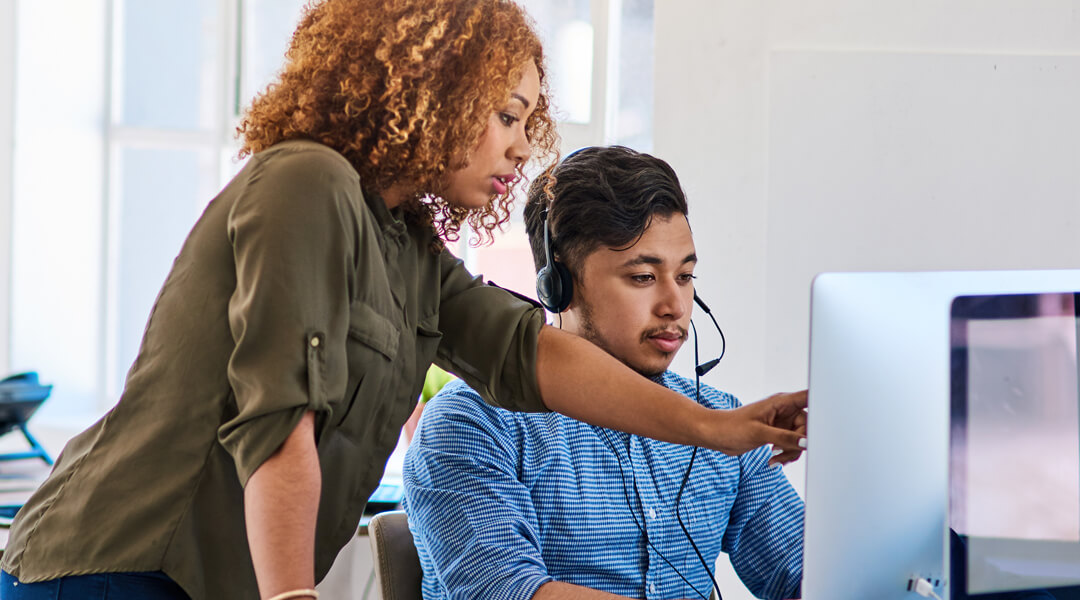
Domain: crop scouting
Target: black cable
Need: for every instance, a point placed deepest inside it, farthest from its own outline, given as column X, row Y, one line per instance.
column 633, row 514
column 678, row 517
column 699, row 370
column 690, row 466
column 629, row 505
column 723, row 340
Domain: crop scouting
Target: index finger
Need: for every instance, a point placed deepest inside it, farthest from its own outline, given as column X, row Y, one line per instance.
column 786, row 440
column 800, row 399
column 789, row 402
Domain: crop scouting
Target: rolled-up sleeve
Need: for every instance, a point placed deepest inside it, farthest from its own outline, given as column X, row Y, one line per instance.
column 294, row 232
column 474, row 522
column 489, row 338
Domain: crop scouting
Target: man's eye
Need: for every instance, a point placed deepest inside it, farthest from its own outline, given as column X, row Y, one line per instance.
column 687, row 277
column 642, row 278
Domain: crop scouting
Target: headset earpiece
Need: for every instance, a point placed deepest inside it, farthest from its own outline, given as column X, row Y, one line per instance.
column 554, row 284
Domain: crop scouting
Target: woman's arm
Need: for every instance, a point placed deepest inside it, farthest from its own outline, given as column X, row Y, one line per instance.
column 582, row 381
column 556, row 590
column 281, row 502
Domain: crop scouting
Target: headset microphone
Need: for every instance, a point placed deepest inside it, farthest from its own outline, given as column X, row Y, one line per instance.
column 707, row 366
column 701, row 303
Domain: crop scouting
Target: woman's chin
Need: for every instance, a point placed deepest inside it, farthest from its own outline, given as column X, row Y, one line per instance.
column 471, row 203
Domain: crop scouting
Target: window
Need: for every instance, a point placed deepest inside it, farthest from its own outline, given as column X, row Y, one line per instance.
column 123, row 135
column 171, row 143
column 125, row 132
column 163, row 140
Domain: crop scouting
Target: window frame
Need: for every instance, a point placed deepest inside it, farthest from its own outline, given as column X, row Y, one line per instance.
column 216, row 140
column 101, row 252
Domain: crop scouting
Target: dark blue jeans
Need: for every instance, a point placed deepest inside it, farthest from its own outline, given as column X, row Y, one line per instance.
column 103, row 586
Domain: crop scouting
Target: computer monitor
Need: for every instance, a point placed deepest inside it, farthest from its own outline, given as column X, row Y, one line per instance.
column 877, row 462
column 1014, row 498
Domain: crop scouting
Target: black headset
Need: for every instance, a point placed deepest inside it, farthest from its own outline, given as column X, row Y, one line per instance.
column 554, row 284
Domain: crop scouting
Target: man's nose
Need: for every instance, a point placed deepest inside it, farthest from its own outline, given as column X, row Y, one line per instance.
column 673, row 302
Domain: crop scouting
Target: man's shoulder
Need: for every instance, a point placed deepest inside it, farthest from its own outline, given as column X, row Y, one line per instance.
column 455, row 397
column 463, row 405
column 454, row 390
column 459, row 410
column 710, row 396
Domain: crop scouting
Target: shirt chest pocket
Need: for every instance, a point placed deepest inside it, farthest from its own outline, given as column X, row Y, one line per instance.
column 372, row 349
column 706, row 503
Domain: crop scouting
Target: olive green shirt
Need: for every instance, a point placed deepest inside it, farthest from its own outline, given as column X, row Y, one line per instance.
column 292, row 293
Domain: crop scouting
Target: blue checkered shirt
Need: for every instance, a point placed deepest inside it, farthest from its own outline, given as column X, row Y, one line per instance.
column 500, row 503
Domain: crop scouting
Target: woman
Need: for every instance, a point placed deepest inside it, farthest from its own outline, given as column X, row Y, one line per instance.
column 290, row 340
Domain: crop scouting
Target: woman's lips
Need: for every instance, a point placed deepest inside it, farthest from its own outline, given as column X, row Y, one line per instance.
column 499, row 185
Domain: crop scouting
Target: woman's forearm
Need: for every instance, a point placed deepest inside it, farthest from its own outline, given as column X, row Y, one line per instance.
column 582, row 381
column 555, row 590
column 281, row 502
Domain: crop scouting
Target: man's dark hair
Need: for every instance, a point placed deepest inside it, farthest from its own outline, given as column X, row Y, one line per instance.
column 599, row 196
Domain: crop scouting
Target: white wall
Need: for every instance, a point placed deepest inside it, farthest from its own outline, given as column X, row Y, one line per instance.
column 846, row 135
column 7, row 122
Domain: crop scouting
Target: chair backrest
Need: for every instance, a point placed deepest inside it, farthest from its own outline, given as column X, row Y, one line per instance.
column 397, row 566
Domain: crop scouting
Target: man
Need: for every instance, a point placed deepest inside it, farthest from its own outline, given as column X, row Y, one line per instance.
column 506, row 505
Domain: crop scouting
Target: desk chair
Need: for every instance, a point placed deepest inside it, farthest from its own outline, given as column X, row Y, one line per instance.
column 397, row 566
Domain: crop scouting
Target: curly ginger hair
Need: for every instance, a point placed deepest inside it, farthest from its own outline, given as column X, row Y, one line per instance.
column 404, row 89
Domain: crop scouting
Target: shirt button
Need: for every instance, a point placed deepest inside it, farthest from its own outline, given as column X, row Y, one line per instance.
column 315, row 342
column 652, row 588
column 652, row 514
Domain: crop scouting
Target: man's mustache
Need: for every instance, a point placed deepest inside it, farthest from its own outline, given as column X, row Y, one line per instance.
column 681, row 331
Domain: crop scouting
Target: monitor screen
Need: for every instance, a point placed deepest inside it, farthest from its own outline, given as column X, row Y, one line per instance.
column 877, row 467
column 876, row 473
column 1014, row 477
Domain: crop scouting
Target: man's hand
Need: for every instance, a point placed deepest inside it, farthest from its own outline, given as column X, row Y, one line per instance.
column 779, row 420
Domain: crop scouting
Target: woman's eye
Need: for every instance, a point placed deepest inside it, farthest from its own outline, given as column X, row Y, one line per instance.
column 507, row 119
